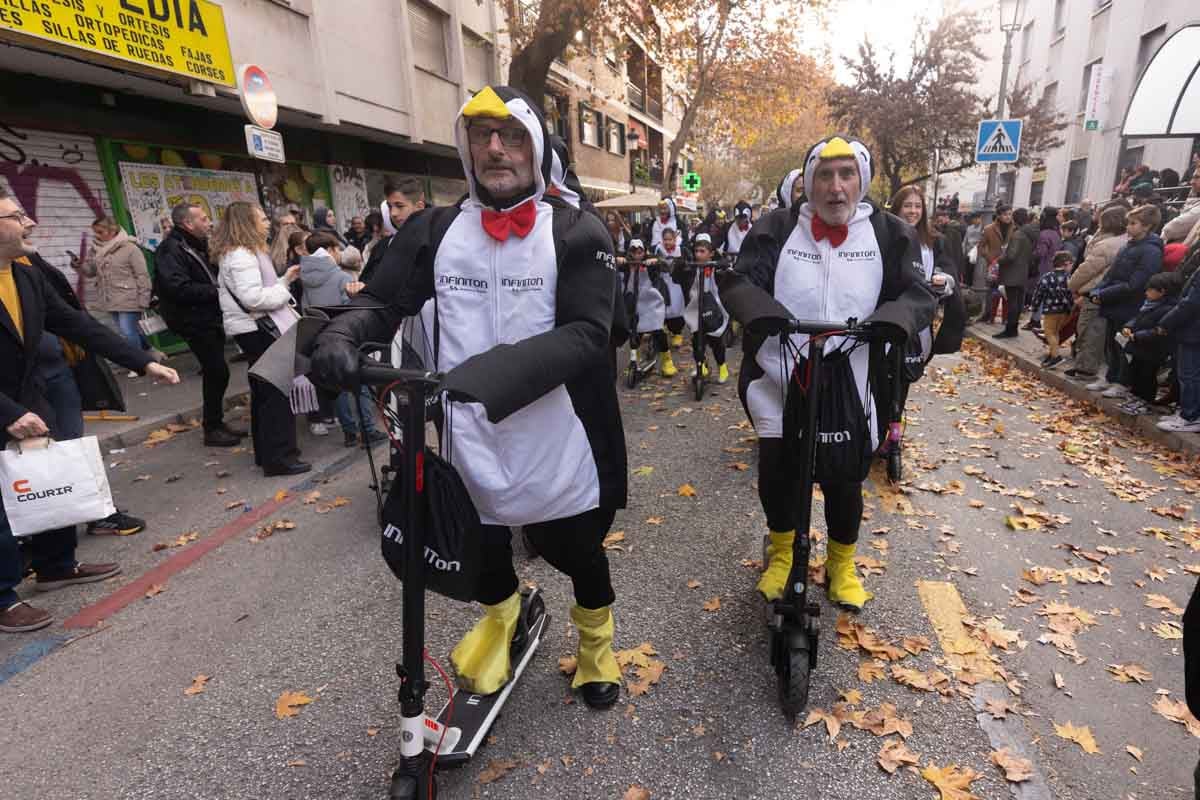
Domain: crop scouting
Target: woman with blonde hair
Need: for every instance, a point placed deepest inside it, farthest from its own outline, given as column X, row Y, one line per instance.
column 122, row 281
column 256, row 307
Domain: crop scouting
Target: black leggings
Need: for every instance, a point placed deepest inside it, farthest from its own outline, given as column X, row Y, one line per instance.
column 675, row 325
column 658, row 337
column 777, row 491
column 715, row 343
column 572, row 545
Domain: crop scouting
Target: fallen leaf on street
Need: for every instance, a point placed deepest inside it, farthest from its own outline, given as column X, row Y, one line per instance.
column 740, row 466
column 915, row 644
column 654, row 520
column 141, row 478
column 1177, row 711
column 199, row 684
column 952, row 782
column 833, row 723
column 180, row 541
column 1022, row 523
column 312, row 497
column 1082, row 736
column 295, row 762
column 234, row 504
column 851, row 696
column 1163, row 603
column 642, row 472
column 611, row 541
column 687, row 490
column 1136, row 752
column 288, row 704
column 712, row 605
column 976, row 503
column 1168, row 629
column 895, row 754
column 870, row 671
column 635, row 792
column 155, row 588
column 998, row 708
column 1127, row 673
column 567, row 665
column 281, row 495
column 496, row 769
column 1016, row 769
column 693, row 584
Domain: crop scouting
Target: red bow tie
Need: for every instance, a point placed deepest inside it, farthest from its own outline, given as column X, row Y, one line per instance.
column 519, row 220
column 835, row 233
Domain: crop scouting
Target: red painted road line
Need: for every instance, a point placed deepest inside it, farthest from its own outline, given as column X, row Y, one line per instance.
column 103, row 609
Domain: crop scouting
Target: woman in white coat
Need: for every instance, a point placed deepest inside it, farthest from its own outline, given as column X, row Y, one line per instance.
column 256, row 307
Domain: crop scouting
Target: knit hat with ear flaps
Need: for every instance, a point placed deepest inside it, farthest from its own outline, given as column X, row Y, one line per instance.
column 504, row 102
column 838, row 146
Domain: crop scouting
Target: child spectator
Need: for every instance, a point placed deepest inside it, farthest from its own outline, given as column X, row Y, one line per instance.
column 327, row 284
column 1121, row 291
column 1146, row 348
column 1182, row 324
column 1053, row 300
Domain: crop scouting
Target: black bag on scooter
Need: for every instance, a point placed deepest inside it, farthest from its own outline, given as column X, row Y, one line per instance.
column 453, row 556
column 710, row 312
column 844, row 446
column 914, row 360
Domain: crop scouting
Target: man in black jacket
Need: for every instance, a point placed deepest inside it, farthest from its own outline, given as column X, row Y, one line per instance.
column 29, row 308
column 186, row 287
column 400, row 201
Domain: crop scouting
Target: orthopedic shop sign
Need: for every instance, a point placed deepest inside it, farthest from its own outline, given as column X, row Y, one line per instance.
column 185, row 37
column 151, row 191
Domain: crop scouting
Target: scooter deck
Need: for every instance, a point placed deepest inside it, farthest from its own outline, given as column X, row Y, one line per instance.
column 475, row 713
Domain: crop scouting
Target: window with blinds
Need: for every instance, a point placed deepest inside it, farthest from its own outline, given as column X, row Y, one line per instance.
column 477, row 58
column 428, row 26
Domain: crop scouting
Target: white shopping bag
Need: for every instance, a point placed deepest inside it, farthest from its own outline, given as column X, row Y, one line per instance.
column 47, row 484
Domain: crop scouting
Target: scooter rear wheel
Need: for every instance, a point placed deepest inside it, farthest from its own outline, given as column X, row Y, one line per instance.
column 793, row 682
column 895, row 468
column 404, row 787
column 698, row 386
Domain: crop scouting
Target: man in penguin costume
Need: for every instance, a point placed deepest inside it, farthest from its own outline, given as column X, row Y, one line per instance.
column 736, row 233
column 666, row 219
column 524, row 292
column 835, row 257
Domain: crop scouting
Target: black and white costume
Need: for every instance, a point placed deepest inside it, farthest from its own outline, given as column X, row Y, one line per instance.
column 734, row 235
column 874, row 272
column 783, row 195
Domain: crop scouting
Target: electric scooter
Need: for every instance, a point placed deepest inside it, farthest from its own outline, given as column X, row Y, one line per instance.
column 642, row 355
column 461, row 727
column 705, row 271
column 793, row 621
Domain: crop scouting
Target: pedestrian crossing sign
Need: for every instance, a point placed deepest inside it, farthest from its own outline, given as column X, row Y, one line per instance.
column 999, row 141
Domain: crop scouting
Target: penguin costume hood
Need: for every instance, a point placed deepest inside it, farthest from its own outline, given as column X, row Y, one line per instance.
column 563, row 181
column 838, row 146
column 659, row 226
column 504, row 102
column 786, row 186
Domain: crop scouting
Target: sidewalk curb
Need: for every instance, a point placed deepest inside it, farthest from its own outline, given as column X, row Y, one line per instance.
column 138, row 433
column 1144, row 425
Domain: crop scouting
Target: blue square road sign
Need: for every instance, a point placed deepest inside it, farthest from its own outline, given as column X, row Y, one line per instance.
column 999, row 141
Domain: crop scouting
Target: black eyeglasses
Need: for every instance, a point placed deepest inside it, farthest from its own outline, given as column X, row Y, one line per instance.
column 18, row 216
column 480, row 135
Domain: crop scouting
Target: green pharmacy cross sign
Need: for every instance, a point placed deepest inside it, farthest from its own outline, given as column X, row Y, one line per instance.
column 691, row 182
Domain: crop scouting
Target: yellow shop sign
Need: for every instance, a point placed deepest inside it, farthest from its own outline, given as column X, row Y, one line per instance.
column 186, row 37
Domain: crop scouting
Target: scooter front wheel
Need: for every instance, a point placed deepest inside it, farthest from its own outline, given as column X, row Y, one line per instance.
column 793, row 682
column 404, row 787
column 698, row 386
column 631, row 375
column 895, row 468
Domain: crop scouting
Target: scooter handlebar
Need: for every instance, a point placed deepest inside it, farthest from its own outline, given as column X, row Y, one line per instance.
column 374, row 374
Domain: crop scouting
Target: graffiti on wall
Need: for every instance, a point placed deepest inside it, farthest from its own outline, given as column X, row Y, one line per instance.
column 56, row 177
column 349, row 193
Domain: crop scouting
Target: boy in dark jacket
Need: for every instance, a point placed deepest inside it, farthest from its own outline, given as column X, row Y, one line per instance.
column 1146, row 348
column 1054, row 300
column 1120, row 292
column 1182, row 324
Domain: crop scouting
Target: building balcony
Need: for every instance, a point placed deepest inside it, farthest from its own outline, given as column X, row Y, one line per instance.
column 654, row 108
column 636, row 95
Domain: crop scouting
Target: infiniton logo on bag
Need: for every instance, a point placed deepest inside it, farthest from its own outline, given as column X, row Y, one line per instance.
column 25, row 493
column 431, row 556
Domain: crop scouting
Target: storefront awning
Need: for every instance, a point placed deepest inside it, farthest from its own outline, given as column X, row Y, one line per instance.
column 642, row 198
column 1166, row 101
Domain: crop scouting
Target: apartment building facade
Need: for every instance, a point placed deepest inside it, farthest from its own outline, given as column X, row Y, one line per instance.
column 1087, row 56
column 117, row 107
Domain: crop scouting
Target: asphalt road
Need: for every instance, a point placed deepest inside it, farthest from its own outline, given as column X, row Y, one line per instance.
column 314, row 609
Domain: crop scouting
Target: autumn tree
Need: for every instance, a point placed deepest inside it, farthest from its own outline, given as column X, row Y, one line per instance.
column 905, row 113
column 1043, row 124
column 721, row 50
column 766, row 126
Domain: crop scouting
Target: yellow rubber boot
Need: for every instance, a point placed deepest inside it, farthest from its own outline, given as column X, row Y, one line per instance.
column 779, row 565
column 666, row 366
column 845, row 588
column 703, row 370
column 481, row 658
column 722, row 374
column 595, row 662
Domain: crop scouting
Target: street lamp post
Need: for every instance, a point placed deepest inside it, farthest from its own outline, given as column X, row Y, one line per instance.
column 1010, row 22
